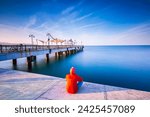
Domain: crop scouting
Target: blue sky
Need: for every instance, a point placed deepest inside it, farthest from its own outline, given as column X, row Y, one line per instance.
column 94, row 22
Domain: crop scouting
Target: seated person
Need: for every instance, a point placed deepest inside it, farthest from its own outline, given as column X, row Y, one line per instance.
column 74, row 82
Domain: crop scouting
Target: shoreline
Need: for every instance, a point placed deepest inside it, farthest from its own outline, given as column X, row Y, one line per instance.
column 18, row 85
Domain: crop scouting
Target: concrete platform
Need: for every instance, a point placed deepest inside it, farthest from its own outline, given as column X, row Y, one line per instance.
column 17, row 85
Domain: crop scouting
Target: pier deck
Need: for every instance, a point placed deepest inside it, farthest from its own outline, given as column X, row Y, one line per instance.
column 14, row 52
column 8, row 52
column 17, row 85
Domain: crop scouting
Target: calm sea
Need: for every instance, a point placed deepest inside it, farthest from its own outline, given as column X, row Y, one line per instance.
column 124, row 66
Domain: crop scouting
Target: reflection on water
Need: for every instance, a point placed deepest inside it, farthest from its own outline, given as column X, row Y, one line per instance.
column 125, row 66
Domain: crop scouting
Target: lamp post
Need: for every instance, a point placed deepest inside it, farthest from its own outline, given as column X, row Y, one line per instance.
column 75, row 42
column 32, row 36
column 48, row 35
column 37, row 41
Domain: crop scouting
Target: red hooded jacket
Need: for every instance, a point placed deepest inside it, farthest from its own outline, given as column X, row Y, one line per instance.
column 72, row 80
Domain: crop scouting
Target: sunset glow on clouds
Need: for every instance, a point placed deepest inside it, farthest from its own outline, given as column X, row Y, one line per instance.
column 95, row 22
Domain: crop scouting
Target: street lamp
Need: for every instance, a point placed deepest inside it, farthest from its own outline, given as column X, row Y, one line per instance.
column 37, row 41
column 48, row 35
column 75, row 42
column 32, row 36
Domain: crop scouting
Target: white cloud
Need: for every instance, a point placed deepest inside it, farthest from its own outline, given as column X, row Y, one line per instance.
column 13, row 34
column 136, row 35
column 68, row 10
column 81, row 18
column 31, row 22
column 91, row 25
column 70, row 26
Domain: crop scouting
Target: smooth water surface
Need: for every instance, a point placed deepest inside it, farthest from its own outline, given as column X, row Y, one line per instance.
column 125, row 66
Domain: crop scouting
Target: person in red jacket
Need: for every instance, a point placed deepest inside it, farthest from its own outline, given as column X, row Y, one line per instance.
column 74, row 82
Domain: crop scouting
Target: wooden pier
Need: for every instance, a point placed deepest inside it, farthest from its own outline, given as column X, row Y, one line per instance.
column 13, row 52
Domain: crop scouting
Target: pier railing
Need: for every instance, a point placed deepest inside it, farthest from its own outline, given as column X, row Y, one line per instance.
column 28, row 48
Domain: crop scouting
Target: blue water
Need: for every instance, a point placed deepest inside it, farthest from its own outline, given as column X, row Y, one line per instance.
column 124, row 66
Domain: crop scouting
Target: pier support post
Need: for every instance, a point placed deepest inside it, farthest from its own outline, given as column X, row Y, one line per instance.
column 34, row 58
column 70, row 52
column 56, row 54
column 47, row 57
column 14, row 61
column 1, row 48
column 60, row 54
column 66, row 52
column 29, row 61
column 74, row 50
